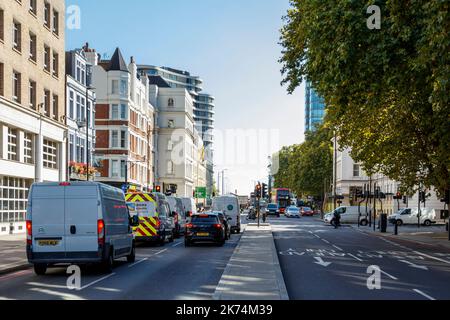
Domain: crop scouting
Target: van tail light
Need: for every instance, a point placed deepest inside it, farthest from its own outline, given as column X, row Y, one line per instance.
column 189, row 225
column 101, row 232
column 29, row 227
column 64, row 184
column 189, row 213
column 218, row 226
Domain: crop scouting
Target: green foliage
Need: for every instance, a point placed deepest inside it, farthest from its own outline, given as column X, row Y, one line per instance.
column 387, row 90
column 304, row 168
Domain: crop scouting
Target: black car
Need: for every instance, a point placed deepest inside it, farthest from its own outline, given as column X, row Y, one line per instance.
column 225, row 220
column 205, row 227
column 273, row 209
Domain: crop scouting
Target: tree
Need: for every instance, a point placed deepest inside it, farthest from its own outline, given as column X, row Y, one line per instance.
column 387, row 90
column 305, row 167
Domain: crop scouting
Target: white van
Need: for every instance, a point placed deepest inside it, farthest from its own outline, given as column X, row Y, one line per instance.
column 78, row 223
column 410, row 216
column 189, row 206
column 229, row 205
column 350, row 214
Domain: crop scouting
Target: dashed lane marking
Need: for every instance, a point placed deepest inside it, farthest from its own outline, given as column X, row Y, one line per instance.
column 97, row 281
column 335, row 246
column 424, row 294
column 355, row 257
column 390, row 276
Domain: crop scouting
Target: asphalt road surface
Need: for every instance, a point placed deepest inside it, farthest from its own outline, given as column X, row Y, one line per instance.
column 172, row 272
column 319, row 262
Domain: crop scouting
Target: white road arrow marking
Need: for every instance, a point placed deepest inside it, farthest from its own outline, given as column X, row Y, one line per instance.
column 321, row 262
column 414, row 265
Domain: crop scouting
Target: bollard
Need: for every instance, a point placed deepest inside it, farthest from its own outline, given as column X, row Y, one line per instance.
column 396, row 229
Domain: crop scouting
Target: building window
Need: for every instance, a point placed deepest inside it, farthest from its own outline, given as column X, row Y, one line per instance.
column 55, row 22
column 71, row 144
column 13, row 199
column 12, row 144
column 17, row 85
column 33, row 51
column 171, row 102
column 356, row 170
column 115, row 169
column 47, row 14
column 32, row 94
column 114, row 139
column 55, row 107
column 47, row 103
column 33, row 7
column 115, row 87
column 170, row 167
column 55, row 64
column 119, row 112
column 123, row 168
column 123, row 112
column 28, row 148
column 46, row 58
column 17, row 36
column 2, row 79
column 2, row 25
column 71, row 104
column 50, row 154
column 80, row 149
column 123, row 87
column 78, row 108
column 115, row 112
column 171, row 124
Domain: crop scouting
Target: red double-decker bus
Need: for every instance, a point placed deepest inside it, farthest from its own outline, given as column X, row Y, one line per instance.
column 282, row 197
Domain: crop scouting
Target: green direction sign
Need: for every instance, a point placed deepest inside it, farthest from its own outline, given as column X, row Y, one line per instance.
column 200, row 193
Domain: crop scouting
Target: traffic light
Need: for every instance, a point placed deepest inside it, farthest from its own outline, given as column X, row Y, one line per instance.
column 265, row 190
column 158, row 189
column 422, row 196
column 258, row 190
column 398, row 196
column 405, row 200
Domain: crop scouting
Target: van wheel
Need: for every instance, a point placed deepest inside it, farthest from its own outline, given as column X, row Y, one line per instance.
column 40, row 269
column 162, row 240
column 172, row 237
column 399, row 223
column 132, row 257
column 364, row 222
column 427, row 223
column 107, row 265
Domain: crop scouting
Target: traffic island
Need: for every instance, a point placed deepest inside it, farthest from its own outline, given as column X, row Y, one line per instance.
column 253, row 272
column 13, row 253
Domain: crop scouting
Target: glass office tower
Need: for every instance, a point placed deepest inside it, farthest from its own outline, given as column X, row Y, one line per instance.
column 314, row 108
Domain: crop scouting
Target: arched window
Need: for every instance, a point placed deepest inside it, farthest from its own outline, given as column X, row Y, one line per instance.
column 171, row 102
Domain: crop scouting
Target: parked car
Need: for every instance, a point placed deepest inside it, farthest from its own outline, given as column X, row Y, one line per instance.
column 157, row 221
column 78, row 223
column 177, row 208
column 225, row 220
column 410, row 216
column 292, row 212
column 229, row 205
column 204, row 227
column 307, row 211
column 349, row 214
column 189, row 206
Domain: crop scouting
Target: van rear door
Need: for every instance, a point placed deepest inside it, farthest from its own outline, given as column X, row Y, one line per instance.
column 82, row 208
column 48, row 219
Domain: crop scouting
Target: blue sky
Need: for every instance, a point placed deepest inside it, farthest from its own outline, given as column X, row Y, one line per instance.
column 231, row 44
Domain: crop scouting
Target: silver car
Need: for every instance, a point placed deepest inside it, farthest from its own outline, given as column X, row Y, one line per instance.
column 292, row 212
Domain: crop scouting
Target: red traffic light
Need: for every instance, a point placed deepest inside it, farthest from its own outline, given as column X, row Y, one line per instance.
column 158, row 189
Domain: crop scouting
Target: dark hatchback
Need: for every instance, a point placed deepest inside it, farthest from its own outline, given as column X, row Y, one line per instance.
column 205, row 227
column 273, row 209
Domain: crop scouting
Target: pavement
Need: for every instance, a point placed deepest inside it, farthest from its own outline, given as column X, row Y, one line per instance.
column 13, row 255
column 253, row 272
column 322, row 263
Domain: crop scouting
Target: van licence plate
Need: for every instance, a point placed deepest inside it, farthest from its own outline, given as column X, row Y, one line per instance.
column 48, row 243
column 203, row 234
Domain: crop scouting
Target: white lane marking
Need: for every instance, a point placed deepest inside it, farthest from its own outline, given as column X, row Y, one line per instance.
column 353, row 256
column 326, row 241
column 320, row 261
column 159, row 252
column 97, row 281
column 431, row 257
column 390, row 276
column 136, row 263
column 317, row 236
column 176, row 244
column 424, row 294
column 337, row 247
column 64, row 296
column 413, row 265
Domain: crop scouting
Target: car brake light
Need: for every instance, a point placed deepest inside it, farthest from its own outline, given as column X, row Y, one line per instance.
column 101, row 231
column 189, row 225
column 29, row 227
column 203, row 216
column 64, row 184
column 218, row 226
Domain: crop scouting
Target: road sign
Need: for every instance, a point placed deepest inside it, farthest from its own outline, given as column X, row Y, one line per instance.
column 200, row 193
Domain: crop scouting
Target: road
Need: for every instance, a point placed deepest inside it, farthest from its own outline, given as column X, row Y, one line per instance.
column 319, row 262
column 172, row 272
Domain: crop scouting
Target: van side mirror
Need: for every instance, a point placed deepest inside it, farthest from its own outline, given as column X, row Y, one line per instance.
column 229, row 218
column 134, row 221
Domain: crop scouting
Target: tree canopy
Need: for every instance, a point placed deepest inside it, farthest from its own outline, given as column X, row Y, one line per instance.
column 386, row 90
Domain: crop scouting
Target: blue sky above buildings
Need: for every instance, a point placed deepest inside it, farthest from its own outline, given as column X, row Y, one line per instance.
column 231, row 44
